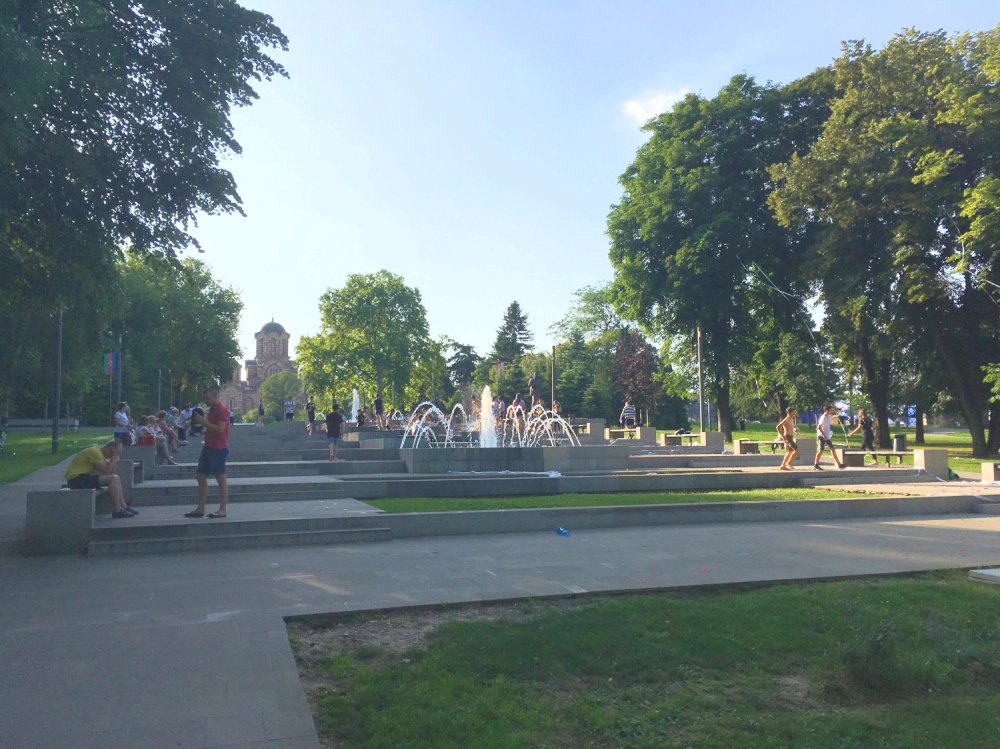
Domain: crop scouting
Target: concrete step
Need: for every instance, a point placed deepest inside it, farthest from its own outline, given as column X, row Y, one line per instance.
column 243, row 520
column 165, row 492
column 236, row 541
column 191, row 497
column 262, row 469
column 987, row 508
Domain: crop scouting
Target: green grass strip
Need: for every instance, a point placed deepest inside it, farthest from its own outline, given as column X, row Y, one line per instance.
column 26, row 452
column 906, row 662
column 456, row 504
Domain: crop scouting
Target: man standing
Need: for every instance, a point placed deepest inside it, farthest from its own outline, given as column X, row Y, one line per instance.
column 289, row 409
column 867, row 433
column 212, row 460
column 334, row 423
column 379, row 413
column 122, row 434
column 824, row 437
column 786, row 430
column 310, row 414
column 534, row 389
column 94, row 468
column 260, row 414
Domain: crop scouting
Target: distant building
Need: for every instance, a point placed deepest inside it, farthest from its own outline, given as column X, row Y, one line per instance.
column 242, row 396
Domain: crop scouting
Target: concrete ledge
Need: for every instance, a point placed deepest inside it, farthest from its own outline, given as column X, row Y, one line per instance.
column 411, row 525
column 58, row 522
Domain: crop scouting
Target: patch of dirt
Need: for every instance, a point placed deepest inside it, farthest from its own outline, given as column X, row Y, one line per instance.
column 794, row 691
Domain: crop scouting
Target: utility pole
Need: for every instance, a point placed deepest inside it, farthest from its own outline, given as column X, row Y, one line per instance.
column 552, row 402
column 121, row 366
column 159, row 385
column 701, row 409
column 55, row 413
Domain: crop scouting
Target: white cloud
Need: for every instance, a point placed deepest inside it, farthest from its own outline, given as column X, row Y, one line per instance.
column 642, row 108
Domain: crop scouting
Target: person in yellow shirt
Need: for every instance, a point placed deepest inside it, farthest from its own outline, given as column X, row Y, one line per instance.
column 93, row 468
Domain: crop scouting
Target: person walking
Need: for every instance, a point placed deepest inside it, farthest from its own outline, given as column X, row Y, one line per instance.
column 786, row 430
column 289, row 409
column 627, row 416
column 864, row 426
column 260, row 414
column 334, row 425
column 310, row 414
column 824, row 437
column 212, row 461
column 94, row 468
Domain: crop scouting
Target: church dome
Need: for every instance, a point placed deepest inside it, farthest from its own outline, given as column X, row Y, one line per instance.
column 273, row 327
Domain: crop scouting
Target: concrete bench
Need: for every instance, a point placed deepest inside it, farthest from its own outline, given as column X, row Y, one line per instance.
column 752, row 447
column 991, row 473
column 644, row 435
column 59, row 522
column 856, row 458
column 677, row 440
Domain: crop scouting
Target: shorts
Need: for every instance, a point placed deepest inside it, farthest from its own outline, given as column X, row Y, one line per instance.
column 791, row 445
column 212, row 461
column 312, row 417
column 824, row 442
column 630, row 422
column 124, row 437
column 85, row 481
column 333, row 440
column 288, row 416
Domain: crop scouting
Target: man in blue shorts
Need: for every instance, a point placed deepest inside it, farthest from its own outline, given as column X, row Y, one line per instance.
column 334, row 423
column 212, row 460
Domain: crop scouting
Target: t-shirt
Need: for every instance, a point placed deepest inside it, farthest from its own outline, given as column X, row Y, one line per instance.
column 217, row 414
column 628, row 413
column 289, row 407
column 866, row 427
column 823, row 426
column 260, row 409
column 185, row 417
column 378, row 405
column 311, row 409
column 121, row 422
column 334, row 419
column 86, row 461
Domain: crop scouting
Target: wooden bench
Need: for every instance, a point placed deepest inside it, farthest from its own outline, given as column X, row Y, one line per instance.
column 677, row 440
column 856, row 458
column 752, row 447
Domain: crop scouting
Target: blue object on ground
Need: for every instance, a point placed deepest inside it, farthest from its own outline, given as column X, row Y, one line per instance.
column 562, row 531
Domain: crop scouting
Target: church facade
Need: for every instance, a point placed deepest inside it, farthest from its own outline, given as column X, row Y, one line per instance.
column 242, row 395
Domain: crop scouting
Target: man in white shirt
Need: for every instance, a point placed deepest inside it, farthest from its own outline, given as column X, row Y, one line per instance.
column 121, row 419
column 824, row 437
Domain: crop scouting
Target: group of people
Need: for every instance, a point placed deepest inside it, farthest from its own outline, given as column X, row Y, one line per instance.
column 165, row 430
column 787, row 430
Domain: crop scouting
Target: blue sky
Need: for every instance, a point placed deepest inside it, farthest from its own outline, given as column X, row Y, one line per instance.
column 474, row 148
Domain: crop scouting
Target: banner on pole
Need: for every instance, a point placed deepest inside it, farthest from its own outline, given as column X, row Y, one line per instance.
column 112, row 363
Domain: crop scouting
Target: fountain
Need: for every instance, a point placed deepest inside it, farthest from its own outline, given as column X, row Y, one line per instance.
column 355, row 405
column 428, row 426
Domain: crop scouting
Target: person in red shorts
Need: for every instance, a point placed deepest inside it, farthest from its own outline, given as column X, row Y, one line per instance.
column 212, row 460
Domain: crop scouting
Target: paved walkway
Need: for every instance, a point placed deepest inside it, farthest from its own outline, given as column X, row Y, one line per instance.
column 190, row 650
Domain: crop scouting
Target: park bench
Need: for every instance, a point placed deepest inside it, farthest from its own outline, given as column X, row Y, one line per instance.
column 677, row 440
column 59, row 522
column 752, row 447
column 856, row 458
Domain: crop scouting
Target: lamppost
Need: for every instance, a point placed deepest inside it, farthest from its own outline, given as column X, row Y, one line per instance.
column 701, row 408
column 58, row 393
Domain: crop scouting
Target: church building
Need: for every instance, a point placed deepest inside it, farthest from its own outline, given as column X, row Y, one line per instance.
column 242, row 396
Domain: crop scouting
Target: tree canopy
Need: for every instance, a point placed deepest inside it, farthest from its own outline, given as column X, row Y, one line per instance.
column 373, row 334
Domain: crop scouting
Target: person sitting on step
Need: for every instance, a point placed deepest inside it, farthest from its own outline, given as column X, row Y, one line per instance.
column 94, row 468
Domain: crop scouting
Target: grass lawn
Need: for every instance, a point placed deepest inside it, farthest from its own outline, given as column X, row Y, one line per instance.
column 905, row 662
column 26, row 452
column 454, row 504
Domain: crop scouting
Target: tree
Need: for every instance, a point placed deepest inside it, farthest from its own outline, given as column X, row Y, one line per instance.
column 899, row 194
column 373, row 334
column 693, row 244
column 513, row 337
column 462, row 364
column 277, row 389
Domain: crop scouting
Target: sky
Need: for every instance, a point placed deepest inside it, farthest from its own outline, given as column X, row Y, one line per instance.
column 474, row 148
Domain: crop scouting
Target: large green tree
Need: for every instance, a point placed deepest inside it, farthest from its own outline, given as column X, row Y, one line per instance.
column 900, row 194
column 373, row 334
column 693, row 243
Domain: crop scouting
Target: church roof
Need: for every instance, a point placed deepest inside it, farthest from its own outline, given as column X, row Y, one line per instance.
column 273, row 327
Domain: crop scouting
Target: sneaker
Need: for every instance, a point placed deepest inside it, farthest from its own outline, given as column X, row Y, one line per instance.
column 119, row 514
column 130, row 511
column 816, row 467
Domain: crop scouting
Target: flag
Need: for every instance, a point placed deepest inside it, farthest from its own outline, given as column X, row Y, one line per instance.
column 112, row 363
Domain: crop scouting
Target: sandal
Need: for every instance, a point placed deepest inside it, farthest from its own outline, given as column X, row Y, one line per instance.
column 194, row 514
column 216, row 515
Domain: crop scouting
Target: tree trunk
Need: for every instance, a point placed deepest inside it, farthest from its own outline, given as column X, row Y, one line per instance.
column 918, row 415
column 724, row 412
column 970, row 387
column 993, row 443
column 875, row 382
column 379, row 384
